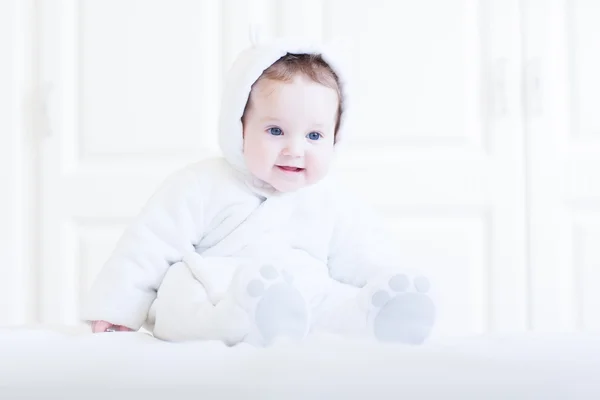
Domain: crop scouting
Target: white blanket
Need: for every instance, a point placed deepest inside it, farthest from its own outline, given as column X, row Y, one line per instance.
column 131, row 365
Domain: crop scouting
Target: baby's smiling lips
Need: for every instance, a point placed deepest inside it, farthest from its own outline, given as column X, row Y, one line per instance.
column 289, row 169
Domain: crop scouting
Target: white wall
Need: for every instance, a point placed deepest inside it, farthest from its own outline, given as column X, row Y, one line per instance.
column 452, row 140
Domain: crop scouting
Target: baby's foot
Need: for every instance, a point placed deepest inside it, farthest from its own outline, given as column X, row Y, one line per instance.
column 273, row 304
column 402, row 311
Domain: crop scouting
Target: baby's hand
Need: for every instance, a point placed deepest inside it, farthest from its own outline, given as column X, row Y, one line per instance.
column 102, row 326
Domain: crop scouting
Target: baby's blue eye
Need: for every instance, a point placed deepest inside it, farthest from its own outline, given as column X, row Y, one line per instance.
column 314, row 136
column 275, row 131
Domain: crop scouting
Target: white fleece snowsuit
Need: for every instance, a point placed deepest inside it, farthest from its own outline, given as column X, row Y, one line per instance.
column 216, row 254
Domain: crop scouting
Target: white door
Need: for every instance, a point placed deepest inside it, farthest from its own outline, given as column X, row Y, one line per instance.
column 132, row 97
column 563, row 58
column 438, row 142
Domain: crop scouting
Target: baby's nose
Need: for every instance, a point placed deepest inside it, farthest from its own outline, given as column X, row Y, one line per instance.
column 294, row 148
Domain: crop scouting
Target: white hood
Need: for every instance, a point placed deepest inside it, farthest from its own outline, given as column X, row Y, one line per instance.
column 246, row 69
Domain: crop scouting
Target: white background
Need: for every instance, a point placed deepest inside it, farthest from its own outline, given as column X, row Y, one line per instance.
column 476, row 132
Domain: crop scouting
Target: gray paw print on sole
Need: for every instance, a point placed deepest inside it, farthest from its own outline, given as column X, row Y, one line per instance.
column 281, row 309
column 403, row 316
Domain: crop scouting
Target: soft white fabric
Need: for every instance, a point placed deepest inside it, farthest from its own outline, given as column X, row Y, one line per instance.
column 214, row 218
column 189, row 306
column 314, row 230
column 49, row 364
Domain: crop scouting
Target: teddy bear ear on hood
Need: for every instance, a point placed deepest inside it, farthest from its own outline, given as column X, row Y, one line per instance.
column 257, row 35
column 248, row 67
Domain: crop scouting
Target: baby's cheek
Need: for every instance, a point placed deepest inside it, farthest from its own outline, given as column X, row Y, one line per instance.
column 317, row 170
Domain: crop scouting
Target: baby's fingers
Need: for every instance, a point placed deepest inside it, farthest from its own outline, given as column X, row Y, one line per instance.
column 100, row 326
column 121, row 328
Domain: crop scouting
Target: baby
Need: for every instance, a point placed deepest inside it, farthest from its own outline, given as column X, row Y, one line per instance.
column 262, row 244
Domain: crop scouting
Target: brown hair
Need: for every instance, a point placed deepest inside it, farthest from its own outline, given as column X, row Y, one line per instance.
column 310, row 65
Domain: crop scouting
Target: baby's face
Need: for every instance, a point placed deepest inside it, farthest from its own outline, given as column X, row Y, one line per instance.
column 289, row 132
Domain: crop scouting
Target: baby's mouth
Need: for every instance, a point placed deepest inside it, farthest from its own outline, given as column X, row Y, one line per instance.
column 289, row 169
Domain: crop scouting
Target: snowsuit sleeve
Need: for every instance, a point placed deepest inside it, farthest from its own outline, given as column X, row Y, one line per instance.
column 167, row 228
